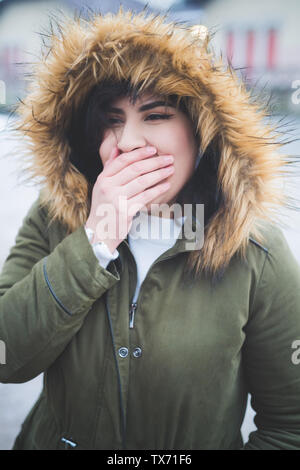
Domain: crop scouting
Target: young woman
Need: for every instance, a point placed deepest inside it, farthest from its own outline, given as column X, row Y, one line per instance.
column 150, row 343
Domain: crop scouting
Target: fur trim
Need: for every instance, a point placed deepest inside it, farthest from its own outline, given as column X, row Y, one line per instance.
column 179, row 61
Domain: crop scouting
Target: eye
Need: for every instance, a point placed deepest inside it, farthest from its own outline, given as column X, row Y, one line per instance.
column 159, row 116
column 151, row 117
column 112, row 120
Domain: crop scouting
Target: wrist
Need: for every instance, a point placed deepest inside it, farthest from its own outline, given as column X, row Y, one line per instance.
column 94, row 239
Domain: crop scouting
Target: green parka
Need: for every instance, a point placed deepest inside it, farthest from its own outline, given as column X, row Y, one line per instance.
column 204, row 345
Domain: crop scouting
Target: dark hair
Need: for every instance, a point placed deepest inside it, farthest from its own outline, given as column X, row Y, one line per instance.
column 86, row 132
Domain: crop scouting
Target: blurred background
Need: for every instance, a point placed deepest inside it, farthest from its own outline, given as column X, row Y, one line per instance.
column 260, row 38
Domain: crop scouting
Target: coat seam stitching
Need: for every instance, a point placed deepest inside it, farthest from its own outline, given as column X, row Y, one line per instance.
column 46, row 391
column 258, row 244
column 118, row 373
column 258, row 284
column 101, row 391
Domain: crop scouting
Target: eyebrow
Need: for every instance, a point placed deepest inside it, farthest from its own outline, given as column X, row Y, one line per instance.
column 144, row 107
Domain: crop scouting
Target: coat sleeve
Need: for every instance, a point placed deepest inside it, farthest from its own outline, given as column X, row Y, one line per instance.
column 44, row 297
column 101, row 251
column 271, row 361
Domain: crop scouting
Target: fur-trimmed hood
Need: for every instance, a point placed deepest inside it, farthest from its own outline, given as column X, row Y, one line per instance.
column 179, row 60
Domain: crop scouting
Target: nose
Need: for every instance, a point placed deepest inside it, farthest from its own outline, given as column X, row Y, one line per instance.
column 130, row 138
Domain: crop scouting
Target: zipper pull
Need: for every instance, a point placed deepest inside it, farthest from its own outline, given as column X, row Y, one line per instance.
column 131, row 314
column 68, row 442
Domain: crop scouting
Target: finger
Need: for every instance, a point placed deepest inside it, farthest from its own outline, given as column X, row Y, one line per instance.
column 141, row 200
column 114, row 152
column 127, row 158
column 141, row 183
column 138, row 168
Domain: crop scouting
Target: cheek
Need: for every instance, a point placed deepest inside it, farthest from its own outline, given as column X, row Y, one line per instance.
column 184, row 145
column 178, row 135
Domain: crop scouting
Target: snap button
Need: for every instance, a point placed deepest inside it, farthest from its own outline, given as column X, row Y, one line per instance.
column 123, row 352
column 137, row 352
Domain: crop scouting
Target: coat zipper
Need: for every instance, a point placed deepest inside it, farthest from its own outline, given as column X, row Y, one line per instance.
column 51, row 289
column 133, row 305
column 133, row 308
column 131, row 314
column 68, row 443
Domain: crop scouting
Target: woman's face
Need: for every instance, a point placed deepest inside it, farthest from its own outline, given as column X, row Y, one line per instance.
column 167, row 129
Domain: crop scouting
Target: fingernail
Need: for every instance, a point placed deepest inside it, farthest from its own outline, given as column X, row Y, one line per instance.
column 150, row 149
